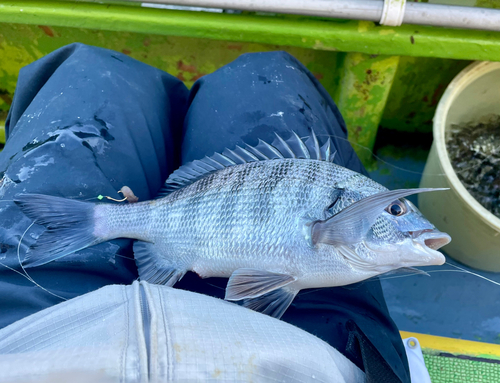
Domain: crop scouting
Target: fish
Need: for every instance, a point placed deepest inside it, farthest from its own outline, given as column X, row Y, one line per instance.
column 273, row 218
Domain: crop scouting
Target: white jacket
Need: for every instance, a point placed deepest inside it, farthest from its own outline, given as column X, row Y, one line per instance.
column 151, row 333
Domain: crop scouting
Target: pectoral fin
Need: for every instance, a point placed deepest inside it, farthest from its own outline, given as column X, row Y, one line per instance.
column 351, row 224
column 252, row 283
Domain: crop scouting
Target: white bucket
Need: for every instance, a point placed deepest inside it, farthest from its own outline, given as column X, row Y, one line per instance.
column 474, row 230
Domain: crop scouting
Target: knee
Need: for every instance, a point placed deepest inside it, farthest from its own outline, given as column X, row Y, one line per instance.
column 273, row 59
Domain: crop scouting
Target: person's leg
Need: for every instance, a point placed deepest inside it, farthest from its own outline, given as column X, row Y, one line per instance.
column 253, row 98
column 84, row 122
column 77, row 129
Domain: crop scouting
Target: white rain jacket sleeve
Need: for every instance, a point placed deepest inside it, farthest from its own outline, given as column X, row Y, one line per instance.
column 151, row 333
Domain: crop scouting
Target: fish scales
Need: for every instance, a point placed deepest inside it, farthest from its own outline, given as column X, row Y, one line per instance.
column 240, row 215
column 275, row 219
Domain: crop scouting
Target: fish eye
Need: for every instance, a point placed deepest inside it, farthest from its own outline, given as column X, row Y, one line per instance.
column 396, row 208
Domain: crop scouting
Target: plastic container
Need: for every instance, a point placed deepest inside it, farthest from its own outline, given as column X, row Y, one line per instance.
column 474, row 230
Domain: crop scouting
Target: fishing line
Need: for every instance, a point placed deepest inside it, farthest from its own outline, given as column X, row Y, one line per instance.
column 419, row 173
column 25, row 272
column 411, row 275
column 100, row 197
column 475, row 274
column 309, row 291
column 15, row 271
column 377, row 157
column 218, row 287
column 122, row 256
column 460, row 270
column 30, row 279
column 128, row 194
column 125, row 190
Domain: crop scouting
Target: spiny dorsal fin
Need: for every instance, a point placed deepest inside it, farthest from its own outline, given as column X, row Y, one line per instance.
column 280, row 144
column 298, row 146
column 313, row 146
column 294, row 147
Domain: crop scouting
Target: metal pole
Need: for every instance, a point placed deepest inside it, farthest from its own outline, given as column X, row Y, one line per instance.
column 371, row 10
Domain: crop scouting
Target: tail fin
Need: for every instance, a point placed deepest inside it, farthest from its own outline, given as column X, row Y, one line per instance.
column 69, row 223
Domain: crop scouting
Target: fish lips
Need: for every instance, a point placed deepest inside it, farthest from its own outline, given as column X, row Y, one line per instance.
column 429, row 241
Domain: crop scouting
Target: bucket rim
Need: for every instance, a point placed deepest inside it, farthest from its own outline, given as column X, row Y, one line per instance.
column 468, row 75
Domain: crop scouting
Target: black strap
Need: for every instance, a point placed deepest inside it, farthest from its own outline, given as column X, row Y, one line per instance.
column 376, row 368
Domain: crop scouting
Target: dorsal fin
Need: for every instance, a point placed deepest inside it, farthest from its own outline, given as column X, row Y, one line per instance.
column 294, row 147
column 298, row 146
column 313, row 146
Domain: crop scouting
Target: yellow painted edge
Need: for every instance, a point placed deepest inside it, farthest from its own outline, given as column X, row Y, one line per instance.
column 455, row 346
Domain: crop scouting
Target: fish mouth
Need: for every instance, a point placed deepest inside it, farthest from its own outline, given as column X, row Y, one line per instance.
column 431, row 241
column 436, row 243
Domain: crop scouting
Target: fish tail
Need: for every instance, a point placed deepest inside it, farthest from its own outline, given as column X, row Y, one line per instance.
column 70, row 226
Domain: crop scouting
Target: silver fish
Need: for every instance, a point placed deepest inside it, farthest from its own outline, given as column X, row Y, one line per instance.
column 275, row 219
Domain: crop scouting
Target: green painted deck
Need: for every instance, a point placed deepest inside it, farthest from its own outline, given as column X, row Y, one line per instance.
column 389, row 77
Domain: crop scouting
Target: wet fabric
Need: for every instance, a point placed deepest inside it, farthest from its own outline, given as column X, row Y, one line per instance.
column 86, row 121
column 143, row 332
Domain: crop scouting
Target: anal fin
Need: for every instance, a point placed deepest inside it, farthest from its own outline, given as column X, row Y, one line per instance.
column 154, row 267
column 273, row 303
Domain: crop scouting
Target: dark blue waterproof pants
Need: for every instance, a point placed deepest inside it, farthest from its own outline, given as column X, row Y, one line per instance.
column 86, row 121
